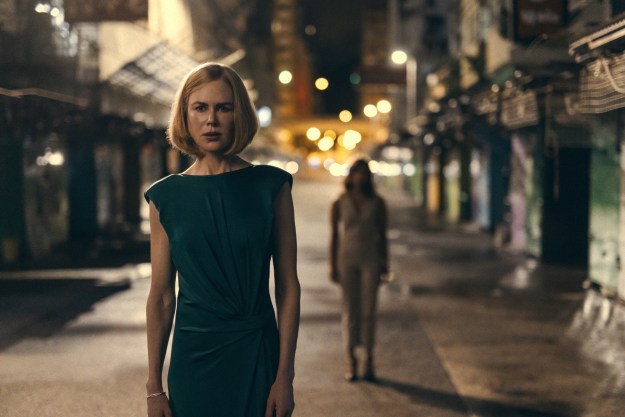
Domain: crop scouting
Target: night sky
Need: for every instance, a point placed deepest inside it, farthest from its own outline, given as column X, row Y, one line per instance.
column 336, row 46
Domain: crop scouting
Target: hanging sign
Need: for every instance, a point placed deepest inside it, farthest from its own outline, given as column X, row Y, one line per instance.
column 77, row 11
column 535, row 18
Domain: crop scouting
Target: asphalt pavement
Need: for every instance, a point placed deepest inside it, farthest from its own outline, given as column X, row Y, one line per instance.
column 462, row 331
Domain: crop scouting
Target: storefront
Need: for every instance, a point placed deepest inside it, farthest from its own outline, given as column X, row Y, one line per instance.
column 490, row 160
column 520, row 115
column 602, row 100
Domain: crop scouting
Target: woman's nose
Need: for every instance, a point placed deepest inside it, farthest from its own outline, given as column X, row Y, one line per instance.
column 211, row 118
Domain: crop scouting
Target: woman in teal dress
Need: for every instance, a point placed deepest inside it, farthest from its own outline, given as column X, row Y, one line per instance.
column 216, row 227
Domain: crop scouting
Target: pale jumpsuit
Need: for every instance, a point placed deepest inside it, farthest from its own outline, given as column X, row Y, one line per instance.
column 359, row 262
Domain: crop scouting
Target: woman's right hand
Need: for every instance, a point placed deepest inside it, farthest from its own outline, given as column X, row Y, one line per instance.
column 159, row 407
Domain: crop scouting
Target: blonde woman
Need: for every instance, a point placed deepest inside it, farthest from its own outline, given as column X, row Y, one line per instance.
column 216, row 227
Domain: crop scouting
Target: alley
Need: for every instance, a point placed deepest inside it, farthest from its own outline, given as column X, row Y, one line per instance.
column 462, row 331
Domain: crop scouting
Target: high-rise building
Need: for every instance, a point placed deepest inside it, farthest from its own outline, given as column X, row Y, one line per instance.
column 291, row 63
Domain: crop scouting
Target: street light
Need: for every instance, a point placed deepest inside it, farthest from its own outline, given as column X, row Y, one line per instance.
column 321, row 83
column 345, row 116
column 384, row 106
column 285, row 77
column 370, row 110
column 400, row 57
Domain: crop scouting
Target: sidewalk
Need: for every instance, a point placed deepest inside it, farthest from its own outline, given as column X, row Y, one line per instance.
column 413, row 381
column 100, row 252
column 502, row 325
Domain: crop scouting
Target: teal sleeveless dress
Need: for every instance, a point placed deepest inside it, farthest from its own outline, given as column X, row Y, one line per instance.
column 225, row 346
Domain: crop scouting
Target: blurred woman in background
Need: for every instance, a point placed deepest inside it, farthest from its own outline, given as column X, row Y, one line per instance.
column 358, row 259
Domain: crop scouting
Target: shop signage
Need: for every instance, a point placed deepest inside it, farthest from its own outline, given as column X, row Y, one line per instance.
column 98, row 11
column 601, row 85
column 485, row 103
column 534, row 18
column 520, row 110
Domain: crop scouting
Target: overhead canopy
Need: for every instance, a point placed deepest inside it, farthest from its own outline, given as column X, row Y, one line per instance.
column 609, row 35
column 155, row 74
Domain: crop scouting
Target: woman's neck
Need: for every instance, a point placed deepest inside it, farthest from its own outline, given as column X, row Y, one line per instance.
column 214, row 164
column 358, row 192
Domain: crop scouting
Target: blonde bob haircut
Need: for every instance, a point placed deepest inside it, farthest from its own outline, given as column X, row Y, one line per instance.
column 245, row 119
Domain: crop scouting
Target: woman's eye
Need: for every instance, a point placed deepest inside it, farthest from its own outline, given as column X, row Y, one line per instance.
column 200, row 107
column 225, row 108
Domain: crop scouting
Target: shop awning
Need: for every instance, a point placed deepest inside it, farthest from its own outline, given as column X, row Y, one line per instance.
column 155, row 74
column 602, row 80
column 600, row 39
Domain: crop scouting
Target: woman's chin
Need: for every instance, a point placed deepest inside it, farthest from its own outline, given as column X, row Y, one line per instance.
column 213, row 147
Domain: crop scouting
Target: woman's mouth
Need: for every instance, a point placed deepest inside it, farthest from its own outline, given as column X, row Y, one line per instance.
column 211, row 135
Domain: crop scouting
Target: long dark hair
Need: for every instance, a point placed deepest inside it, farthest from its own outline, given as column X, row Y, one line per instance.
column 367, row 188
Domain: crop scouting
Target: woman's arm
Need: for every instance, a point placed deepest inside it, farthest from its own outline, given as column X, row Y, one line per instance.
column 160, row 308
column 383, row 241
column 288, row 303
column 334, row 241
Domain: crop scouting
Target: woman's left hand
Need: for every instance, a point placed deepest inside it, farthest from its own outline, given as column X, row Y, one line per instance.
column 280, row 402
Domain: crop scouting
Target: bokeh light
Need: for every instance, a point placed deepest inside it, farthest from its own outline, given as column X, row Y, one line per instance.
column 314, row 160
column 338, row 170
column 276, row 163
column 352, row 136
column 330, row 133
column 285, row 77
column 325, row 143
column 409, row 170
column 399, row 57
column 310, row 30
column 291, row 167
column 348, row 142
column 345, row 116
column 322, row 83
column 313, row 133
column 370, row 110
column 264, row 116
column 384, row 106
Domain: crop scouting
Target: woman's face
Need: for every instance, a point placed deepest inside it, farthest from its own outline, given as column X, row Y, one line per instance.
column 359, row 177
column 210, row 116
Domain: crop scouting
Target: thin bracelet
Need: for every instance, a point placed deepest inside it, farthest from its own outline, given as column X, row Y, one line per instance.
column 156, row 394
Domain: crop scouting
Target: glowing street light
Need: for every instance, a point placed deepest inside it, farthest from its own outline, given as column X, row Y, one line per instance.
column 384, row 106
column 43, row 7
column 285, row 77
column 370, row 110
column 322, row 83
column 352, row 135
column 330, row 133
column 313, row 133
column 345, row 116
column 325, row 143
column 264, row 116
column 399, row 57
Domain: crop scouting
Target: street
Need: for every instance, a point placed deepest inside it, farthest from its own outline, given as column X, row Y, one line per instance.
column 462, row 331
